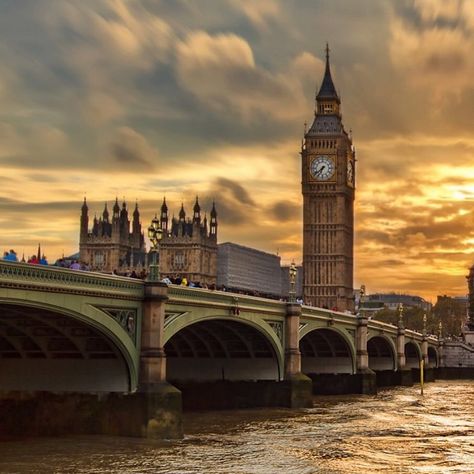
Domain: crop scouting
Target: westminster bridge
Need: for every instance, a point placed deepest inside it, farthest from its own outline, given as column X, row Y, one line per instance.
column 108, row 352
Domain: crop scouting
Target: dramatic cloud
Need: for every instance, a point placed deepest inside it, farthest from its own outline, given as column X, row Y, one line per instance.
column 140, row 99
column 131, row 151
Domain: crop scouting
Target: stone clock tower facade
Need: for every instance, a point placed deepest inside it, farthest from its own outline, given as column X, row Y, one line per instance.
column 328, row 182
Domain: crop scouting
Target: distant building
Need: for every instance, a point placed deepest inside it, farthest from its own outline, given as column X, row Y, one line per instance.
column 189, row 247
column 393, row 300
column 246, row 269
column 455, row 300
column 453, row 305
column 109, row 245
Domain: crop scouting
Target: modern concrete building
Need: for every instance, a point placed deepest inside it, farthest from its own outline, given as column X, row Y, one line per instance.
column 247, row 269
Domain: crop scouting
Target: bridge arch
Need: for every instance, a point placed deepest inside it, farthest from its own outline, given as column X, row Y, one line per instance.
column 432, row 357
column 219, row 347
column 412, row 355
column 382, row 353
column 327, row 350
column 55, row 348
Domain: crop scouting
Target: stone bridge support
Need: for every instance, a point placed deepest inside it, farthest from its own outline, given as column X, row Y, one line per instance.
column 441, row 353
column 154, row 410
column 299, row 385
column 429, row 372
column 162, row 401
column 424, row 351
column 404, row 376
column 368, row 383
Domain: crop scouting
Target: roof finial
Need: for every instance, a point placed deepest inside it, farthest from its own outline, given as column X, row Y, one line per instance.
column 327, row 90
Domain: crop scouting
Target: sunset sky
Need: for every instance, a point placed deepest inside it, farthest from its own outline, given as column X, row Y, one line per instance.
column 141, row 99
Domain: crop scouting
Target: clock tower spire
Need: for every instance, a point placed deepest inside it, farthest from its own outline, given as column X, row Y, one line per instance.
column 328, row 186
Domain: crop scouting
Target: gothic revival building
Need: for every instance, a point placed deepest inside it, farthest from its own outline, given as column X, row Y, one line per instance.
column 328, row 186
column 110, row 245
column 189, row 246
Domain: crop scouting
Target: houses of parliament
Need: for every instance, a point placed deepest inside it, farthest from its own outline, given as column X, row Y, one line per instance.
column 189, row 244
column 188, row 247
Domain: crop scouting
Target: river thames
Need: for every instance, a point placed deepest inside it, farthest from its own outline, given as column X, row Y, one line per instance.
column 396, row 431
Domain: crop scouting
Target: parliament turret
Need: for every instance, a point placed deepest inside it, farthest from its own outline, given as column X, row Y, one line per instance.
column 84, row 219
column 188, row 249
column 110, row 246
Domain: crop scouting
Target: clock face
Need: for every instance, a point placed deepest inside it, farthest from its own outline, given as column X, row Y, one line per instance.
column 350, row 172
column 322, row 168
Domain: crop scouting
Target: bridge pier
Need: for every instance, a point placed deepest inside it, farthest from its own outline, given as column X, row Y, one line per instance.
column 298, row 385
column 367, row 377
column 404, row 375
column 161, row 401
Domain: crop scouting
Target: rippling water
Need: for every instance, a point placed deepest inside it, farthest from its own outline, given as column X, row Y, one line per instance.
column 396, row 431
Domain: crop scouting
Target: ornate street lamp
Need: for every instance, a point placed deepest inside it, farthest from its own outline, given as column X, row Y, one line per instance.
column 360, row 309
column 292, row 273
column 400, row 316
column 155, row 234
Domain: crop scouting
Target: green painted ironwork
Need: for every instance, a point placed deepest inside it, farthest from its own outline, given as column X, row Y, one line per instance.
column 111, row 304
column 57, row 279
column 115, row 306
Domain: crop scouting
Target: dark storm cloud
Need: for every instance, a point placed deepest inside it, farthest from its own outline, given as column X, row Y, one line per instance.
column 236, row 190
column 129, row 157
column 391, row 262
column 233, row 202
column 42, row 178
column 143, row 85
column 364, row 236
column 421, row 233
column 11, row 207
column 285, row 211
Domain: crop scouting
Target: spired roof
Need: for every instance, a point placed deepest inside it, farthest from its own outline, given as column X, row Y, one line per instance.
column 325, row 124
column 327, row 90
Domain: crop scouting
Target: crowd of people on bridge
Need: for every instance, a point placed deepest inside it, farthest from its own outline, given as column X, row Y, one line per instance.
column 11, row 256
column 74, row 264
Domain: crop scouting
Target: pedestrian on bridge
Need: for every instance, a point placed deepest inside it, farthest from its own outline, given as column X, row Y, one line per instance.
column 10, row 256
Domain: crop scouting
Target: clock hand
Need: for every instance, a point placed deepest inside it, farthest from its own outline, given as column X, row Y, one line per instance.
column 320, row 170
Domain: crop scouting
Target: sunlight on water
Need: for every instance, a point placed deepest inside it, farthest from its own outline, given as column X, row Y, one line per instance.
column 396, row 431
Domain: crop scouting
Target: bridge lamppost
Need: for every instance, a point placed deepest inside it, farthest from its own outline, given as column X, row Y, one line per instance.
column 400, row 316
column 292, row 272
column 361, row 299
column 155, row 234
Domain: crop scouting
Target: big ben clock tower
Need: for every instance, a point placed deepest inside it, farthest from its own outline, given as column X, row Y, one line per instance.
column 328, row 179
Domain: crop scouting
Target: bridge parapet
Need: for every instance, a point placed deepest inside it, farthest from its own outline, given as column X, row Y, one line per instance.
column 62, row 280
column 181, row 295
column 311, row 312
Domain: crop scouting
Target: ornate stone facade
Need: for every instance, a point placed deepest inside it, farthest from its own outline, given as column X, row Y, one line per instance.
column 109, row 245
column 189, row 246
column 328, row 186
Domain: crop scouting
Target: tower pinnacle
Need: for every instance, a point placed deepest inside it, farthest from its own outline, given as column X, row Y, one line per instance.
column 327, row 90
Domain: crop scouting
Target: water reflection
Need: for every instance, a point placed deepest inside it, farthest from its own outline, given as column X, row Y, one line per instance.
column 396, row 431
